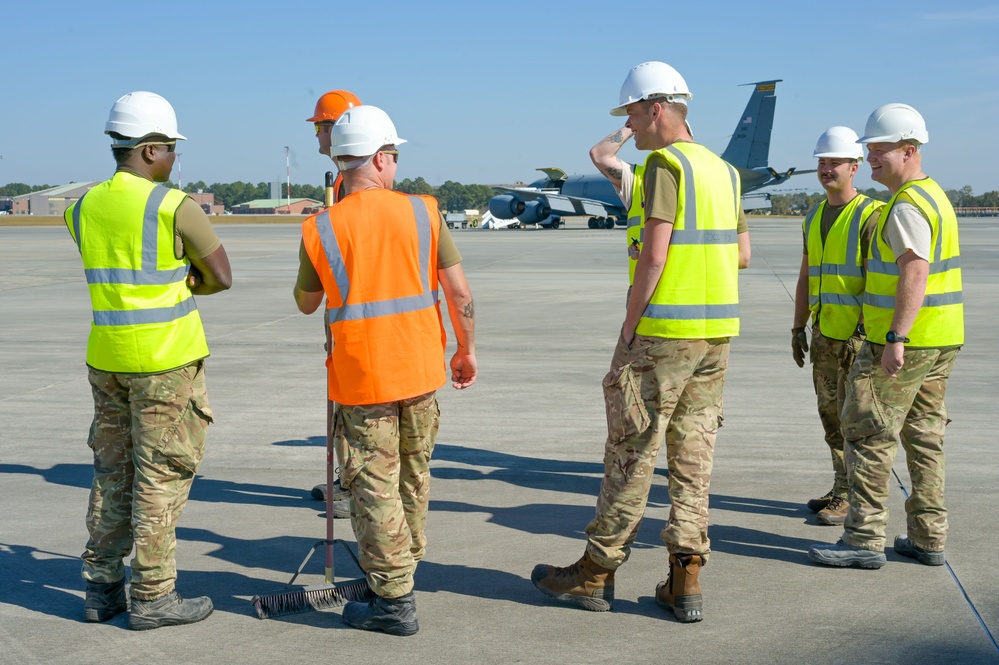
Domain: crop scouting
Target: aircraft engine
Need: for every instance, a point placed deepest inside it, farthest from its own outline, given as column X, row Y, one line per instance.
column 505, row 206
column 534, row 212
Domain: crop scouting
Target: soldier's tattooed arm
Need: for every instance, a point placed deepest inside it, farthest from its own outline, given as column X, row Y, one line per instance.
column 461, row 311
column 604, row 155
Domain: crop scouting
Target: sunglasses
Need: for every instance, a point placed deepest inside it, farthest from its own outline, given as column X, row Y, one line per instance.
column 320, row 126
column 394, row 153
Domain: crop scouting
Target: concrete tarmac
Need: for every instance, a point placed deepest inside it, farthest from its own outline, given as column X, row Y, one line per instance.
column 516, row 471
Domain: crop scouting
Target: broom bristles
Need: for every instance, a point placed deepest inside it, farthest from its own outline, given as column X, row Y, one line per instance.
column 310, row 599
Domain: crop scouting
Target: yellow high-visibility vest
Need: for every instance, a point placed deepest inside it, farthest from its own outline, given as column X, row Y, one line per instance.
column 836, row 267
column 940, row 321
column 697, row 296
column 145, row 317
column 636, row 220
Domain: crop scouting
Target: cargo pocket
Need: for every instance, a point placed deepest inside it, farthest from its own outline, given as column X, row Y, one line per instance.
column 626, row 413
column 183, row 445
column 861, row 429
column 862, row 415
column 351, row 461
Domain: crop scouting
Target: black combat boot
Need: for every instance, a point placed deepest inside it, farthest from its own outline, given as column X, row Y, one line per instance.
column 104, row 601
column 170, row 610
column 395, row 616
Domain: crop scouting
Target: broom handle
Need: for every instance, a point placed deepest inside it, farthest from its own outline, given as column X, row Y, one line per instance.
column 329, row 467
column 330, row 195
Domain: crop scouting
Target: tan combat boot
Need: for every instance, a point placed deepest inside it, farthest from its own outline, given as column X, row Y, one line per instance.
column 584, row 583
column 681, row 592
column 835, row 513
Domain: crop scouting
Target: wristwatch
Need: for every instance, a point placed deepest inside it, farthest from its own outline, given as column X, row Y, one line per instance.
column 893, row 338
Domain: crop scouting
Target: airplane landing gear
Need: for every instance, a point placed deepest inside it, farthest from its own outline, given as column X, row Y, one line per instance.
column 600, row 223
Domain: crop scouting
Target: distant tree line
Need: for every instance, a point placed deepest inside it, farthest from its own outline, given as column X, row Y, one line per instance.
column 231, row 194
column 800, row 203
column 454, row 196
column 451, row 196
column 19, row 188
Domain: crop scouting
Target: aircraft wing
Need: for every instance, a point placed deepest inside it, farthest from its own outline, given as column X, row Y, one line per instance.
column 563, row 205
column 568, row 206
column 524, row 193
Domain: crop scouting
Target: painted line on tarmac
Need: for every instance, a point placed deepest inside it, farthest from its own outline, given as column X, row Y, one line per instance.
column 974, row 610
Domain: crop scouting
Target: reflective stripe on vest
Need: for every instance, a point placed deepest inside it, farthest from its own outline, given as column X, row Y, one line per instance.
column 368, row 310
column 145, row 319
column 835, row 267
column 940, row 321
column 147, row 274
column 697, row 296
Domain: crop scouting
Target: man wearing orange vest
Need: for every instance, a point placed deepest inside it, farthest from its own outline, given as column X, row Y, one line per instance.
column 377, row 256
column 330, row 107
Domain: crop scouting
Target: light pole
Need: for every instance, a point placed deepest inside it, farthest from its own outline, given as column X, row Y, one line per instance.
column 180, row 173
column 287, row 164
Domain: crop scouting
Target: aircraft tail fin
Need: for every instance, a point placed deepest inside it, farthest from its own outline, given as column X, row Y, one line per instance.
column 749, row 147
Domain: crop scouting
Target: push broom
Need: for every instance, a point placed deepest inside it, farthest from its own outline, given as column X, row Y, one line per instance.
column 328, row 595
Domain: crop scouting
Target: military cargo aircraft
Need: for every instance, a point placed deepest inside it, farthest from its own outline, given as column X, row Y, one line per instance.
column 546, row 201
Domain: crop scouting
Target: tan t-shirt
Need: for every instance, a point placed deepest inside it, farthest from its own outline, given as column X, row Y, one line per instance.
column 907, row 228
column 309, row 282
column 662, row 193
column 193, row 232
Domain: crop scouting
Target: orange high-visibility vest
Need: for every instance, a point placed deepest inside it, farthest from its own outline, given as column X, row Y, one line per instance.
column 376, row 254
column 338, row 187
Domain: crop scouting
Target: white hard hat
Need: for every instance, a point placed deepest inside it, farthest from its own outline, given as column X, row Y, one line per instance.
column 139, row 114
column 838, row 142
column 895, row 122
column 361, row 131
column 652, row 79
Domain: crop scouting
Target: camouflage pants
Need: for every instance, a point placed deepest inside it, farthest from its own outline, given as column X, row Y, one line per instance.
column 148, row 438
column 879, row 413
column 659, row 389
column 831, row 363
column 384, row 452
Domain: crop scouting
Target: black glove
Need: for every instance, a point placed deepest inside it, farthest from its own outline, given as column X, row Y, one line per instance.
column 799, row 345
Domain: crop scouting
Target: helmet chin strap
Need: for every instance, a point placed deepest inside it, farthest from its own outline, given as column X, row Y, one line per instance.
column 345, row 164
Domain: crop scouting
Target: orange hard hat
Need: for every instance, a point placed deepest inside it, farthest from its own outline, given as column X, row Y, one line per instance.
column 332, row 104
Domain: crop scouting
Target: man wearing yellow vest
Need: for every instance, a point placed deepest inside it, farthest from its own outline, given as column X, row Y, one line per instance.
column 378, row 256
column 668, row 369
column 914, row 315
column 837, row 234
column 627, row 180
column 146, row 250
column 328, row 109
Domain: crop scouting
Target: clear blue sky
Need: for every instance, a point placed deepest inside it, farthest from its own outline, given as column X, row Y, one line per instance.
column 485, row 92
